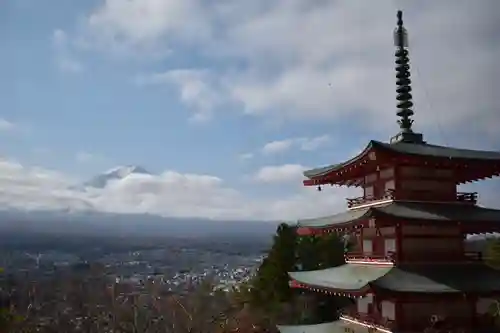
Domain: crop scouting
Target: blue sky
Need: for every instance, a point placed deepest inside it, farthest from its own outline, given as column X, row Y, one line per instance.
column 200, row 88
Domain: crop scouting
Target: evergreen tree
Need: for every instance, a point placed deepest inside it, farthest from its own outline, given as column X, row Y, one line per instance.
column 492, row 254
column 321, row 252
column 492, row 258
column 271, row 287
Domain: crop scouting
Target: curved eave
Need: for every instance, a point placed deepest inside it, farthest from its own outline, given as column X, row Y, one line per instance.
column 471, row 218
column 471, row 165
column 351, row 219
column 352, row 293
column 321, row 175
column 345, row 280
column 356, row 280
column 474, row 164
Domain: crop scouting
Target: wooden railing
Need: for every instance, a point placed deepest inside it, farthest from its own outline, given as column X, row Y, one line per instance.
column 462, row 197
column 467, row 197
column 368, row 257
column 391, row 257
column 473, row 255
column 352, row 202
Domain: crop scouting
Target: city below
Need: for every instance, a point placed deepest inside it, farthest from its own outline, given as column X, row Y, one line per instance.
column 175, row 264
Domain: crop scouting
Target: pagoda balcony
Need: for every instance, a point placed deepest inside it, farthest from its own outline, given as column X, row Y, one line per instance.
column 391, row 257
column 467, row 197
column 460, row 197
column 364, row 200
column 369, row 258
column 473, row 256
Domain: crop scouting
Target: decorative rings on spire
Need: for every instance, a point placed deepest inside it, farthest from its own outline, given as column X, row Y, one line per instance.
column 403, row 81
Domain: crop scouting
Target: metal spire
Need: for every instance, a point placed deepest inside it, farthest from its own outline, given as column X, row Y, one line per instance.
column 403, row 83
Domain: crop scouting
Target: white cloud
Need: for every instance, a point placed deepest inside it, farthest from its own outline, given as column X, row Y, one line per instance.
column 313, row 143
column 245, row 156
column 174, row 194
column 69, row 65
column 338, row 62
column 168, row 194
column 294, row 60
column 307, row 144
column 278, row 146
column 6, row 126
column 280, row 173
column 36, row 188
column 59, row 38
column 84, row 157
column 64, row 58
column 196, row 88
column 9, row 127
column 147, row 25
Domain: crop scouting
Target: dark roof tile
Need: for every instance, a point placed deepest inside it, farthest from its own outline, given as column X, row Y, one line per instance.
column 420, row 149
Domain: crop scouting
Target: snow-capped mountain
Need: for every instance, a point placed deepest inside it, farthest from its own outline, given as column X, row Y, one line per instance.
column 121, row 172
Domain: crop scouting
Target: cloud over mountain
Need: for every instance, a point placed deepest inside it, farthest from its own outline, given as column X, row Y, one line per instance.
column 118, row 173
column 132, row 190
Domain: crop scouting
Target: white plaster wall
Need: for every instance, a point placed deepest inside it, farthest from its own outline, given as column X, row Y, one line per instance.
column 388, row 310
column 367, row 246
column 390, row 245
column 363, row 303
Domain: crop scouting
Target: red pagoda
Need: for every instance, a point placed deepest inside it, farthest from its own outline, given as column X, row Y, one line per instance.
column 409, row 270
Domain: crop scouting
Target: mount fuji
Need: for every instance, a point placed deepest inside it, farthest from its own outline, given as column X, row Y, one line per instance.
column 78, row 216
column 118, row 173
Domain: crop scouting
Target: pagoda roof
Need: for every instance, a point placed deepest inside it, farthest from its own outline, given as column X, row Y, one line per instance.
column 332, row 327
column 347, row 277
column 416, row 278
column 415, row 149
column 421, row 211
column 425, row 149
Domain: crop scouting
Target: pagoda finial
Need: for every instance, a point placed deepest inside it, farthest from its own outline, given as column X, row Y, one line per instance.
column 403, row 83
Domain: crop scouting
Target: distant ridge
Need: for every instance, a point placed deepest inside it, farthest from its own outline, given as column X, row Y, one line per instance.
column 92, row 223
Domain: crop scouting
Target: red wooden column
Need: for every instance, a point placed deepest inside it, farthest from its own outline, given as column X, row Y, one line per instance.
column 473, row 311
column 399, row 314
column 399, row 225
column 398, row 190
column 464, row 237
column 361, row 238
